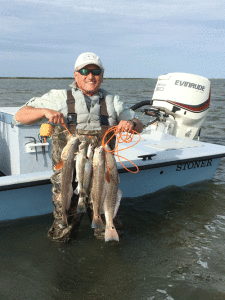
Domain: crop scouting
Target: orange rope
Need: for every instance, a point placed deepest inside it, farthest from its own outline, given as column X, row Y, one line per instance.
column 122, row 137
column 64, row 125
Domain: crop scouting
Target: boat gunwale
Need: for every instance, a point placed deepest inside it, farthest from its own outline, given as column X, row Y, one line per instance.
column 121, row 170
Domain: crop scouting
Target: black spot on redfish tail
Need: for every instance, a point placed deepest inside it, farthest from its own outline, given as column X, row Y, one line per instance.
column 111, row 234
column 97, row 222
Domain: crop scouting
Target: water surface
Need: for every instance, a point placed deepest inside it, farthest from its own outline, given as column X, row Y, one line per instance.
column 173, row 246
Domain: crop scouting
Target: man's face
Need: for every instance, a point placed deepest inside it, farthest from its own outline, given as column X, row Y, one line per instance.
column 90, row 83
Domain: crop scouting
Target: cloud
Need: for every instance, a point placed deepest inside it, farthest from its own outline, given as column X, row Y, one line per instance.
column 205, row 10
column 160, row 33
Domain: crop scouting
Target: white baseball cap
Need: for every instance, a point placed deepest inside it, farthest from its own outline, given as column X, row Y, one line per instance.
column 87, row 58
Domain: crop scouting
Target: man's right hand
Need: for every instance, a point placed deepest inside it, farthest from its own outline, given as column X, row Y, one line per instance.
column 29, row 115
column 54, row 116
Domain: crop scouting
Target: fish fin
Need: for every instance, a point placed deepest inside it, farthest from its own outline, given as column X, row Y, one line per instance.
column 97, row 222
column 118, row 178
column 101, row 209
column 79, row 190
column 64, row 221
column 111, row 234
column 119, row 196
column 91, row 198
column 71, row 190
column 59, row 165
column 107, row 178
column 81, row 206
column 68, row 202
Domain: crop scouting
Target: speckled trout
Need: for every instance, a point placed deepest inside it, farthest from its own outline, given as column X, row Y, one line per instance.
column 83, row 173
column 97, row 185
column 80, row 161
column 67, row 165
column 112, row 196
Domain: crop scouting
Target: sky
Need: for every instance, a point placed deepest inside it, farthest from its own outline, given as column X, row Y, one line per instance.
column 134, row 39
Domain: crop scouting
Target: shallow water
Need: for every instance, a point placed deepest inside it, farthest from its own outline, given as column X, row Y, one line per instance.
column 173, row 245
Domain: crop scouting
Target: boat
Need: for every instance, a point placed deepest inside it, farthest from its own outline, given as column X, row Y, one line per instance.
column 168, row 154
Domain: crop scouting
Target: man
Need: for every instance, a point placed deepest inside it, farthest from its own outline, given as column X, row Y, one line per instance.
column 85, row 108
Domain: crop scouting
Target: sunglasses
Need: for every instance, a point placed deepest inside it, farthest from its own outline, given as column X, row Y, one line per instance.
column 85, row 72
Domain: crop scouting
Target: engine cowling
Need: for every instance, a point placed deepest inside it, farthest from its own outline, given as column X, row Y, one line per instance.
column 185, row 97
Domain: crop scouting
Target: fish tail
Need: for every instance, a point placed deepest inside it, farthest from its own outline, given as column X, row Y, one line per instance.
column 64, row 221
column 97, row 222
column 77, row 190
column 111, row 234
column 81, row 207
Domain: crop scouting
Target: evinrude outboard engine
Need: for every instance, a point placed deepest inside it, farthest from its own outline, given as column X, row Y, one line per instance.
column 183, row 101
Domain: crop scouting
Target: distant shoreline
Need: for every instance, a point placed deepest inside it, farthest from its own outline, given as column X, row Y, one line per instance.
column 70, row 78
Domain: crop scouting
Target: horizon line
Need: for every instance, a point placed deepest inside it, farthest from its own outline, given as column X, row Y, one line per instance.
column 72, row 78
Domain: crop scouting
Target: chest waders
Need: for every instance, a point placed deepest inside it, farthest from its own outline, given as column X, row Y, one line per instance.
column 60, row 137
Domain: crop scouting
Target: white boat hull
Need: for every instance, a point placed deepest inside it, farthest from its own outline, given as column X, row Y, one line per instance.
column 25, row 202
column 152, row 180
column 33, row 198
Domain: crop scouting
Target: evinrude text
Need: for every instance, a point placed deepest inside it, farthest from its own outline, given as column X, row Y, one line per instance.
column 190, row 85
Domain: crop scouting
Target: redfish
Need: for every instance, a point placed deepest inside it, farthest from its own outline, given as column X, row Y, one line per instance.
column 67, row 165
column 112, row 196
column 97, row 185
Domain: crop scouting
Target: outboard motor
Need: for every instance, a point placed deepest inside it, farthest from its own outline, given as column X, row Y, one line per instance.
column 182, row 101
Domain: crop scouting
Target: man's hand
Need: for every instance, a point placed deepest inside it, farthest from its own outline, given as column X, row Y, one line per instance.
column 127, row 126
column 29, row 115
column 130, row 125
column 54, row 116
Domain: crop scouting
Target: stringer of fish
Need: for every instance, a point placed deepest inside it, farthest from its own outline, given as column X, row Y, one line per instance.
column 104, row 193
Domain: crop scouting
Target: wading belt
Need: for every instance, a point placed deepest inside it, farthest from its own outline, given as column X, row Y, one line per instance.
column 72, row 116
